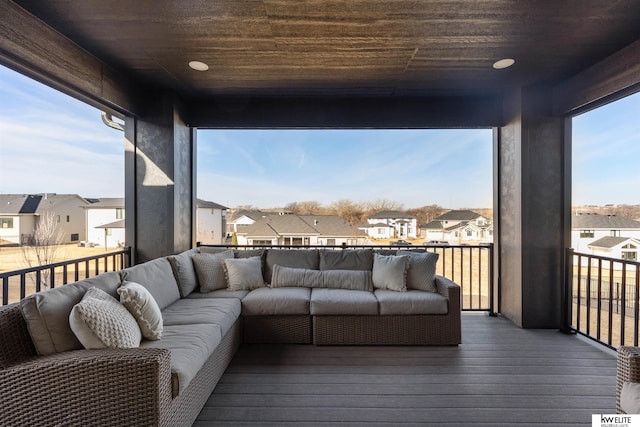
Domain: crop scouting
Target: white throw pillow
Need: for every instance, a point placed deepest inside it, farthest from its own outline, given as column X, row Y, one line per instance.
column 390, row 272
column 244, row 273
column 100, row 321
column 630, row 398
column 140, row 303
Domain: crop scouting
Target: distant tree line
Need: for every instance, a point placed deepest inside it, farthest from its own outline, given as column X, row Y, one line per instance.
column 357, row 212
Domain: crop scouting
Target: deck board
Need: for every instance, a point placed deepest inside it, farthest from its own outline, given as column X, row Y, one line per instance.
column 500, row 375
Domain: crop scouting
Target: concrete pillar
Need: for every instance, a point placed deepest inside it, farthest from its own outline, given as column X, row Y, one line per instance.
column 160, row 181
column 532, row 204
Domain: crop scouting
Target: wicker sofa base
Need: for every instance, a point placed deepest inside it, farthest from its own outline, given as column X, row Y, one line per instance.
column 292, row 329
column 429, row 329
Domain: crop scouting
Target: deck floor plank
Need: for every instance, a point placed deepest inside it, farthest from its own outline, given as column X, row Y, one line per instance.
column 500, row 375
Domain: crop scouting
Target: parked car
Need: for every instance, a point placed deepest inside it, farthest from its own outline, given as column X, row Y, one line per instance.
column 436, row 243
column 400, row 243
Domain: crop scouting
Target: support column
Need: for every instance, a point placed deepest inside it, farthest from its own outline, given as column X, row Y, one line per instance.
column 160, row 188
column 533, row 200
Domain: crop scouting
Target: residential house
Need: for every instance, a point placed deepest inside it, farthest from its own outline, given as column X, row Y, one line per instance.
column 299, row 230
column 105, row 222
column 19, row 216
column 211, row 222
column 459, row 226
column 245, row 217
column 616, row 247
column 391, row 224
column 588, row 227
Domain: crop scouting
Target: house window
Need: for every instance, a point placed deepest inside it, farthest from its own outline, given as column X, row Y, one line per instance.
column 6, row 222
column 75, row 237
column 68, row 218
column 615, row 233
column 629, row 255
column 331, row 242
column 119, row 213
column 261, row 242
column 380, row 230
column 585, row 234
column 469, row 233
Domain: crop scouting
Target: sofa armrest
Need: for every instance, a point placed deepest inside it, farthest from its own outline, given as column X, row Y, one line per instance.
column 450, row 290
column 628, row 369
column 88, row 387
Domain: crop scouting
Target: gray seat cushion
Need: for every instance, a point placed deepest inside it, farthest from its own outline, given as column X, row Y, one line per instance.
column 190, row 346
column 220, row 293
column 47, row 313
column 343, row 302
column 280, row 301
column 410, row 302
column 218, row 311
column 157, row 276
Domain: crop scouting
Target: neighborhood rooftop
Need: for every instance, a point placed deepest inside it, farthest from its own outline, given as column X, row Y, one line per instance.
column 594, row 220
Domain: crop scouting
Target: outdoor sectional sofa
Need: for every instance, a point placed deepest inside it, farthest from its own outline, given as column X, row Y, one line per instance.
column 209, row 304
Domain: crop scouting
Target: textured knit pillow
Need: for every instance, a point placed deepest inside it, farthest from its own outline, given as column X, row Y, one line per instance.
column 140, row 303
column 100, row 321
column 422, row 270
column 210, row 270
column 390, row 272
column 244, row 273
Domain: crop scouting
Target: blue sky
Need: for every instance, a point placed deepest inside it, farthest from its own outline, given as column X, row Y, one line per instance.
column 52, row 143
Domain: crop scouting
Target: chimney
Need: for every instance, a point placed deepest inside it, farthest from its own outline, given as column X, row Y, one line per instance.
column 315, row 222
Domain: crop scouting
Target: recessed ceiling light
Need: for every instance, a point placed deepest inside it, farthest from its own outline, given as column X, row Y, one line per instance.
column 199, row 66
column 504, row 63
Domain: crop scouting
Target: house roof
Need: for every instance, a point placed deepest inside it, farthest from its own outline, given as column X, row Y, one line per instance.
column 609, row 242
column 299, row 225
column 36, row 203
column 106, row 203
column 330, row 225
column 209, row 205
column 598, row 221
column 433, row 225
column 115, row 224
column 459, row 215
column 391, row 215
column 14, row 204
column 50, row 202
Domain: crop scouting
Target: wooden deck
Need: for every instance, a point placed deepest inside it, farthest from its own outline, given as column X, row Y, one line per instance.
column 501, row 375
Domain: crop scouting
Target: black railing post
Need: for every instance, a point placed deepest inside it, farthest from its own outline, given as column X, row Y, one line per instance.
column 567, row 294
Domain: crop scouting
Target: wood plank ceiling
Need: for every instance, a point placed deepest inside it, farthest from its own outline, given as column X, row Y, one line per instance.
column 388, row 48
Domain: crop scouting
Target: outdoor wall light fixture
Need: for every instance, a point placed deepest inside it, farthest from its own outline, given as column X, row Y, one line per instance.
column 503, row 63
column 198, row 65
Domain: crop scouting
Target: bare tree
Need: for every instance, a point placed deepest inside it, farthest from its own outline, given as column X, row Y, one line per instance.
column 44, row 246
column 348, row 210
column 383, row 205
column 426, row 214
column 309, row 207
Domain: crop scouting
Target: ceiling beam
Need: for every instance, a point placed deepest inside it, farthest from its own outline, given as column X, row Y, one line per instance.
column 31, row 47
column 346, row 113
column 610, row 79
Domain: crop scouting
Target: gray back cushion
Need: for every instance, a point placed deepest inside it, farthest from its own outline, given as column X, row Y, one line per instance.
column 346, row 259
column 157, row 277
column 296, row 258
column 184, row 271
column 47, row 313
column 422, row 270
